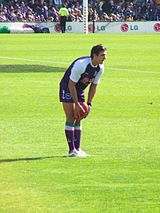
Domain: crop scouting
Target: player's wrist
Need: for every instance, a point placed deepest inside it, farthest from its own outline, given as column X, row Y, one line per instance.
column 89, row 104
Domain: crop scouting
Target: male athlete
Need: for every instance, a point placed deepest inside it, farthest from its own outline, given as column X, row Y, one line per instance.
column 82, row 72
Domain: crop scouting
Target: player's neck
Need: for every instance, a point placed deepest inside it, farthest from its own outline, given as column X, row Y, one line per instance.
column 94, row 63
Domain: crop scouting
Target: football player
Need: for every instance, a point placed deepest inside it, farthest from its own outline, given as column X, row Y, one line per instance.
column 84, row 71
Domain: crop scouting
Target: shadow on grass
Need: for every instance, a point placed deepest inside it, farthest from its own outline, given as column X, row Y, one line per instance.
column 29, row 159
column 26, row 68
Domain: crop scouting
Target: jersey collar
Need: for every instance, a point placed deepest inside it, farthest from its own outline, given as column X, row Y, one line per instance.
column 92, row 64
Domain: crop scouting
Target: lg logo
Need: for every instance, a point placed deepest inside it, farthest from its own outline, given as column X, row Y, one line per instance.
column 157, row 27
column 125, row 27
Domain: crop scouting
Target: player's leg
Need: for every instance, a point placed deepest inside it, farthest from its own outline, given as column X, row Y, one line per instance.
column 77, row 135
column 69, row 111
column 77, row 140
column 73, row 131
column 69, row 126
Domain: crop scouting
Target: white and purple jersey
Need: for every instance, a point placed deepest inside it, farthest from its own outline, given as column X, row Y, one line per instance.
column 82, row 72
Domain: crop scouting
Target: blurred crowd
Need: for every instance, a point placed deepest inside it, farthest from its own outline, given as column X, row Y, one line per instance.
column 98, row 10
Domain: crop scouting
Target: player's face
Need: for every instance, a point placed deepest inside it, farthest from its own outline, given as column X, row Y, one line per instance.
column 99, row 59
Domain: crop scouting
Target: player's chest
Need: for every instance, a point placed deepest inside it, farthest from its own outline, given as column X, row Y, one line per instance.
column 88, row 76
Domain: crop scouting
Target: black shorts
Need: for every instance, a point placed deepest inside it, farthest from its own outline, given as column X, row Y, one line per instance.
column 65, row 96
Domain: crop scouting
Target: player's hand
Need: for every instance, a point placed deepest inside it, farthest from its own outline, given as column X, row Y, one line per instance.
column 78, row 110
column 89, row 109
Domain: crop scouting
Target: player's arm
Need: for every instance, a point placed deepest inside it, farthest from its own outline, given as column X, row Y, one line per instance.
column 91, row 93
column 74, row 77
column 93, row 86
column 76, row 72
column 73, row 92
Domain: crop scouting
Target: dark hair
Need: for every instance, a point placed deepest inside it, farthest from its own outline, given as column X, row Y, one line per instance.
column 97, row 49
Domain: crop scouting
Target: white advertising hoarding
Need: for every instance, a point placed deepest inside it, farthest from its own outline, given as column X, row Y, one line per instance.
column 108, row 27
column 100, row 27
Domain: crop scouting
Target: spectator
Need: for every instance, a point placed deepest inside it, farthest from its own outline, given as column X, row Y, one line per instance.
column 53, row 14
column 58, row 3
column 77, row 15
column 128, row 14
column 71, row 16
column 45, row 11
column 111, row 10
column 99, row 8
column 2, row 17
column 158, row 13
column 63, row 13
column 151, row 12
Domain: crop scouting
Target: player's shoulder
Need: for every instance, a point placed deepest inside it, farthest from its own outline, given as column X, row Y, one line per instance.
column 84, row 59
column 101, row 68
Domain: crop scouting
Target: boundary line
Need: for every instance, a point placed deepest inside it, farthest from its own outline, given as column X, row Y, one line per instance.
column 32, row 60
column 61, row 62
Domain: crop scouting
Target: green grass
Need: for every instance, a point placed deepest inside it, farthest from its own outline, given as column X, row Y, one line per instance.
column 121, row 134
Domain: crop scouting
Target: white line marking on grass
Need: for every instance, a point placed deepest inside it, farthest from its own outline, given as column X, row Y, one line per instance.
column 54, row 61
column 130, row 70
column 32, row 60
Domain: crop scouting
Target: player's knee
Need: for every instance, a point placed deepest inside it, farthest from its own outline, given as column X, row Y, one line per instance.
column 70, row 117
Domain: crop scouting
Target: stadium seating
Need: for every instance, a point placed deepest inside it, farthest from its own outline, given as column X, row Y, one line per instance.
column 113, row 10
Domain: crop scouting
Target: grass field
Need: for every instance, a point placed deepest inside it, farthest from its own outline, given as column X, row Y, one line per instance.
column 122, row 133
